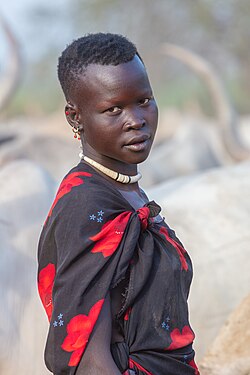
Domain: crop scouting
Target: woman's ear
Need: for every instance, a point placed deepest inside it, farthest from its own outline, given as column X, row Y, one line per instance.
column 72, row 116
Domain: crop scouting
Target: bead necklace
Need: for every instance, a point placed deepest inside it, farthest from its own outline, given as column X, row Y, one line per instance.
column 124, row 179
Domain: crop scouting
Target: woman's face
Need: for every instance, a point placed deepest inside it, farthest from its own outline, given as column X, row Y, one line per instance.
column 118, row 113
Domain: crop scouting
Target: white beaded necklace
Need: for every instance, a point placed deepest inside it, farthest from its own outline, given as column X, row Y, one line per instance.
column 124, row 179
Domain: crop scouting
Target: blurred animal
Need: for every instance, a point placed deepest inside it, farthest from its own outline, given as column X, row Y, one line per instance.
column 25, row 195
column 197, row 145
column 210, row 213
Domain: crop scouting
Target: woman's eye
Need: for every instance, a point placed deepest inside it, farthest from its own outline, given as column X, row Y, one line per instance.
column 144, row 101
column 114, row 110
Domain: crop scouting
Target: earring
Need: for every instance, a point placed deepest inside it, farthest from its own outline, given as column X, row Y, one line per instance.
column 77, row 133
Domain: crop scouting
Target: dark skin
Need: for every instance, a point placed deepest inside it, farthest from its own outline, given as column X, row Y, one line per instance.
column 116, row 115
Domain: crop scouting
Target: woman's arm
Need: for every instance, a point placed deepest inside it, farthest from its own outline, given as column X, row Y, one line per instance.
column 97, row 358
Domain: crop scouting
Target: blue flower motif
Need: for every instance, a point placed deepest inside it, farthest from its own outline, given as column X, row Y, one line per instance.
column 92, row 217
column 55, row 323
column 165, row 326
column 100, row 213
column 61, row 323
column 99, row 219
column 60, row 316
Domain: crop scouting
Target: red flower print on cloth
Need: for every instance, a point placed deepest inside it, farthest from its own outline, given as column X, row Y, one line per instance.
column 46, row 279
column 193, row 364
column 181, row 339
column 110, row 236
column 78, row 331
column 180, row 250
column 73, row 179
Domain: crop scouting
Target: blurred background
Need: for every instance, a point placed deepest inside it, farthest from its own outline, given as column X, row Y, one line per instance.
column 217, row 30
column 197, row 57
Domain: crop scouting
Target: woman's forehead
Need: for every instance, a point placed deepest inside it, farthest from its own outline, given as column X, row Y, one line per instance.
column 118, row 75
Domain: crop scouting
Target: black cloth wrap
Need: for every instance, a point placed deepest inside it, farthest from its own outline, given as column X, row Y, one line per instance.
column 154, row 311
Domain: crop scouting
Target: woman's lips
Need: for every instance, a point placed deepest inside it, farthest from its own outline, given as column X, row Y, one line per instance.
column 139, row 146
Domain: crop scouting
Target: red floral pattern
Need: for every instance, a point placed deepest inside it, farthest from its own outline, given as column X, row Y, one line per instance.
column 110, row 236
column 46, row 279
column 73, row 179
column 78, row 331
column 180, row 249
column 181, row 339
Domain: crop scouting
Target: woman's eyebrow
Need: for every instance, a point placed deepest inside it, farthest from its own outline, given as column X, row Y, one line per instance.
column 110, row 102
column 119, row 99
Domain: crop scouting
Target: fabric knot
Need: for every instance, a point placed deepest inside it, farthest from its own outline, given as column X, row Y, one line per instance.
column 143, row 214
column 154, row 208
column 120, row 353
column 150, row 209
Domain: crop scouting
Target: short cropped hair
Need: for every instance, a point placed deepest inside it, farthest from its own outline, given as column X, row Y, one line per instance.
column 98, row 48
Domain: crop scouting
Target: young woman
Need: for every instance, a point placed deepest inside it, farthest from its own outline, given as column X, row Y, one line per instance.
column 113, row 277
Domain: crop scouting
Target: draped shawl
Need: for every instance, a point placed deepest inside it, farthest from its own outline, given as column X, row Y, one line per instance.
column 91, row 240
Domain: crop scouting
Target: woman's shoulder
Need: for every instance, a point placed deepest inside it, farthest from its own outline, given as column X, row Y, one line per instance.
column 84, row 189
column 90, row 184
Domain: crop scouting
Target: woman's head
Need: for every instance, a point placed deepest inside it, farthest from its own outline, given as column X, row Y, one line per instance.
column 109, row 100
column 99, row 48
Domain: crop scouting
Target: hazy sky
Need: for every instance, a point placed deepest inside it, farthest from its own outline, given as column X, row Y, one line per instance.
column 38, row 25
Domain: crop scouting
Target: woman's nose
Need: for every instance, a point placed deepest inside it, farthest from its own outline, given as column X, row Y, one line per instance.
column 134, row 121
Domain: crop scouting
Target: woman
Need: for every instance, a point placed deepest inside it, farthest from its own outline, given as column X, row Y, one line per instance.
column 113, row 277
